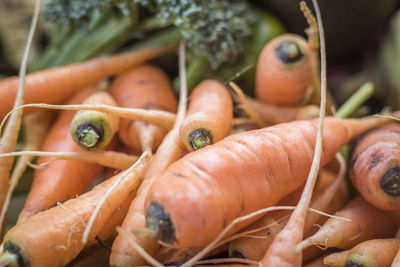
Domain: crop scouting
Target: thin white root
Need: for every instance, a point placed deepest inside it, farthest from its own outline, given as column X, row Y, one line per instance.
column 245, row 105
column 112, row 159
column 141, row 251
column 161, row 118
column 140, row 161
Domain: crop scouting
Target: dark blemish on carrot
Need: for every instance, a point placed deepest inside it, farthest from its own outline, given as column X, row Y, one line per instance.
column 178, row 175
column 143, row 81
column 160, row 222
column 390, row 182
column 374, row 160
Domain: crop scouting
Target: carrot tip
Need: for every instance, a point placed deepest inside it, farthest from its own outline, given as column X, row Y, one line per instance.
column 289, row 52
column 160, row 223
column 199, row 138
column 12, row 256
column 390, row 182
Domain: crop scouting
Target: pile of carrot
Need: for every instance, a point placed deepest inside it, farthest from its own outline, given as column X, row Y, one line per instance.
column 213, row 177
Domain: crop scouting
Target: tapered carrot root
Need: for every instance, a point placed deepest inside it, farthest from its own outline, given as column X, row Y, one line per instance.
column 209, row 115
column 337, row 259
column 55, row 85
column 62, row 179
column 171, row 149
column 272, row 114
column 373, row 253
column 146, row 87
column 367, row 222
column 375, row 171
column 276, row 159
column 53, row 237
column 284, row 71
column 93, row 130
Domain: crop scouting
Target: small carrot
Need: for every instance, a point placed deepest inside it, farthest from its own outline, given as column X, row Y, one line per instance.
column 337, row 259
column 36, row 126
column 284, row 71
column 373, row 253
column 56, row 84
column 53, row 237
column 275, row 159
column 169, row 151
column 62, row 179
column 93, row 130
column 375, row 171
column 208, row 117
column 367, row 222
column 146, row 87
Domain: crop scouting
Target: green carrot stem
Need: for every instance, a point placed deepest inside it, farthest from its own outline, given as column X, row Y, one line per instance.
column 356, row 100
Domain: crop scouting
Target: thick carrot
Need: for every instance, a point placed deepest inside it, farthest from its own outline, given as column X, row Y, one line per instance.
column 147, row 87
column 284, row 71
column 337, row 259
column 327, row 199
column 375, row 170
column 366, row 222
column 61, row 179
column 53, row 237
column 55, row 85
column 373, row 253
column 93, row 130
column 169, row 151
column 272, row 114
column 240, row 174
column 208, row 117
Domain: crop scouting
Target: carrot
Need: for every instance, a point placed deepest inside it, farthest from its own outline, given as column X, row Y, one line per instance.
column 10, row 136
column 375, row 171
column 36, row 126
column 55, row 85
column 367, row 222
column 95, row 255
column 93, row 130
column 208, row 117
column 319, row 262
column 146, row 87
column 337, row 259
column 240, row 174
column 169, row 151
column 62, row 179
column 284, row 71
column 326, row 198
column 52, row 237
column 373, row 253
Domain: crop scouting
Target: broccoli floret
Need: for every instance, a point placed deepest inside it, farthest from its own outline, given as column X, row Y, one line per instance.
column 216, row 29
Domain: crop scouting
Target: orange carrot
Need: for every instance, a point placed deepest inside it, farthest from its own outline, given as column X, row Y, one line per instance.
column 61, row 179
column 93, row 130
column 367, row 222
column 284, row 71
column 373, row 253
column 209, row 115
column 240, row 174
column 337, row 259
column 53, row 237
column 145, row 87
column 375, row 171
column 169, row 151
column 55, row 85
column 319, row 262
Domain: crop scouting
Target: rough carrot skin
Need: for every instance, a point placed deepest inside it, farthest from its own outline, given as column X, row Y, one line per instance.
column 284, row 71
column 375, row 170
column 208, row 117
column 61, row 179
column 148, row 87
column 53, row 86
column 53, row 237
column 373, row 253
column 367, row 222
column 207, row 189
